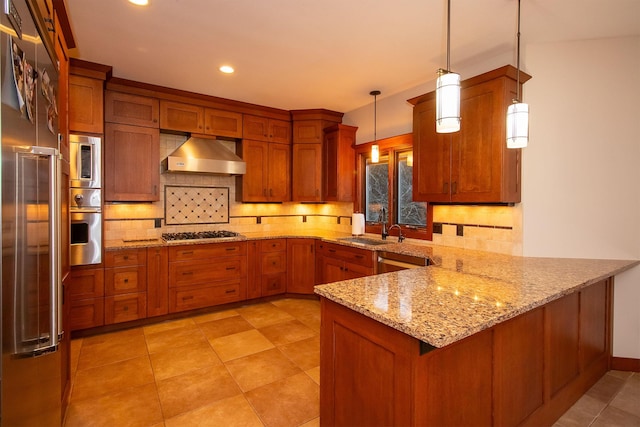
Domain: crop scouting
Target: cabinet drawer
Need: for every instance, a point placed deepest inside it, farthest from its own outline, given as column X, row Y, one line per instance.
column 85, row 284
column 360, row 256
column 203, row 271
column 125, row 280
column 126, row 307
column 273, row 262
column 273, row 245
column 191, row 297
column 86, row 313
column 126, row 257
column 189, row 252
column 273, row 284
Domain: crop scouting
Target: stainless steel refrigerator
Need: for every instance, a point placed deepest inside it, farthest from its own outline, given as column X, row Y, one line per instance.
column 31, row 289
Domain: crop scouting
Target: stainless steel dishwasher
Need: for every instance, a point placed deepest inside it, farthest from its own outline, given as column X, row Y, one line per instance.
column 391, row 261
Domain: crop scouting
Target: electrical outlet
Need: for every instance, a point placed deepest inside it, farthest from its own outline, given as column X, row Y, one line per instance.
column 157, row 222
column 459, row 230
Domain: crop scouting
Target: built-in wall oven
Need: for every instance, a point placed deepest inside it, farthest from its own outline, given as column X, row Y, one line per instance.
column 85, row 199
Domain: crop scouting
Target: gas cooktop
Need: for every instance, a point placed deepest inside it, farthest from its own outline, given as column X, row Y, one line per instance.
column 218, row 234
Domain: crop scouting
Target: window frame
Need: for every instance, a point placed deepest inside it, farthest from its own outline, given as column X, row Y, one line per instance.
column 388, row 146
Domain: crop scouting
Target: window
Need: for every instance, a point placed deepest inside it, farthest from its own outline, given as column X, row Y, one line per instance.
column 384, row 190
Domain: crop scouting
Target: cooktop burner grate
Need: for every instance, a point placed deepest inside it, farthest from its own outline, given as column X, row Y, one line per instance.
column 199, row 235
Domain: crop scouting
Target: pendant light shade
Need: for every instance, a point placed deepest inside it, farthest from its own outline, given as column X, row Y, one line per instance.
column 375, row 149
column 448, row 91
column 518, row 112
column 447, row 102
column 517, row 125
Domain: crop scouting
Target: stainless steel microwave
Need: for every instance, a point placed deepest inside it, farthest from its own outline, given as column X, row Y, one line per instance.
column 85, row 158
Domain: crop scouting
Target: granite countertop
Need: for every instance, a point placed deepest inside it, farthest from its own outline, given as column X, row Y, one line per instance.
column 469, row 292
column 441, row 305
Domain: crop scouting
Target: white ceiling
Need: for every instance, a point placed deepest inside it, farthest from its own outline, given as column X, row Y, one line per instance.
column 297, row 54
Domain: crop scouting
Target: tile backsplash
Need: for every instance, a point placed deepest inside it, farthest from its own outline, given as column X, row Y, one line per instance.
column 489, row 228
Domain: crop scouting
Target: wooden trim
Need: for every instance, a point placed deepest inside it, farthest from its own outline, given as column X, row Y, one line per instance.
column 63, row 20
column 317, row 114
column 625, row 364
column 192, row 98
column 93, row 70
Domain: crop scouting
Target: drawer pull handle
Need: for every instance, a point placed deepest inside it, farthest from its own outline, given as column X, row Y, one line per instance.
column 187, row 252
column 359, row 256
column 187, row 273
column 230, row 268
column 125, row 308
column 230, row 291
column 232, row 249
column 187, row 297
column 332, row 250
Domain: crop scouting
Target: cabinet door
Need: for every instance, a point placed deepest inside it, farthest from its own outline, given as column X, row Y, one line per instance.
column 279, row 178
column 132, row 163
column 255, row 127
column 222, row 123
column 126, row 307
column 157, row 281
column 63, row 90
column 431, row 154
column 479, row 148
column 332, row 270
column 86, row 283
column 86, row 313
column 279, row 131
column 308, row 131
column 274, row 284
column 300, row 266
column 254, row 185
column 181, row 117
column 131, row 109
column 86, row 104
column 307, row 173
column 338, row 162
column 254, row 276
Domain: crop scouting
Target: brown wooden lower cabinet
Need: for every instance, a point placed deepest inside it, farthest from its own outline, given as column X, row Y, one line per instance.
column 526, row 371
column 157, row 281
column 125, row 307
column 301, row 271
column 85, row 289
column 336, row 262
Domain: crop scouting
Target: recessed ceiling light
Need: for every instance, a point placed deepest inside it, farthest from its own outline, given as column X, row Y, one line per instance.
column 139, row 2
column 227, row 69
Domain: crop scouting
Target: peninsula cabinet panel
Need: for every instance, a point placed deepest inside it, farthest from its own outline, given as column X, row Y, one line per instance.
column 181, row 117
column 525, row 371
column 132, row 163
column 562, row 324
column 519, row 361
column 131, row 109
column 306, row 178
column 157, row 281
column 222, row 123
column 86, row 104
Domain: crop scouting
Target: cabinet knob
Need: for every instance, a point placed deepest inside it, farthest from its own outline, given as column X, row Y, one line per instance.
column 126, row 280
column 125, row 308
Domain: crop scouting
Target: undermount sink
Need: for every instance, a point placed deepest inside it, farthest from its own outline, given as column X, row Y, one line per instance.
column 364, row 241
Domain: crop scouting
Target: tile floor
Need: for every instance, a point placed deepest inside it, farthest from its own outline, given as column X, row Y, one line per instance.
column 257, row 365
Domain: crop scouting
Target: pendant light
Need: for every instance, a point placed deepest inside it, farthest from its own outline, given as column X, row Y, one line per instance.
column 518, row 112
column 448, row 91
column 375, row 149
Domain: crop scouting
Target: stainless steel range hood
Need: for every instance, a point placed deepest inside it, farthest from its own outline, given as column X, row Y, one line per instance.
column 204, row 155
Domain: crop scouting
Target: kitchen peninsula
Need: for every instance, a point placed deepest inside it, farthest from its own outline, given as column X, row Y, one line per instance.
column 487, row 340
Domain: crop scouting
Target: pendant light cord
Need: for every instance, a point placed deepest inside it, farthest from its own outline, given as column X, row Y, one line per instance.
column 449, row 33
column 518, row 57
column 375, row 94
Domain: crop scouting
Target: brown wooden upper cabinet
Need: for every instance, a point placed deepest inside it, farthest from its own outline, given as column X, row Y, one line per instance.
column 181, row 117
column 222, row 123
column 338, row 163
column 131, row 163
column 268, row 176
column 86, row 101
column 131, row 109
column 196, row 119
column 473, row 165
column 265, row 129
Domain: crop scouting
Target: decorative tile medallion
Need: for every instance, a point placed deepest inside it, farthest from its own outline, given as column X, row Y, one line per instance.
column 196, row 205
